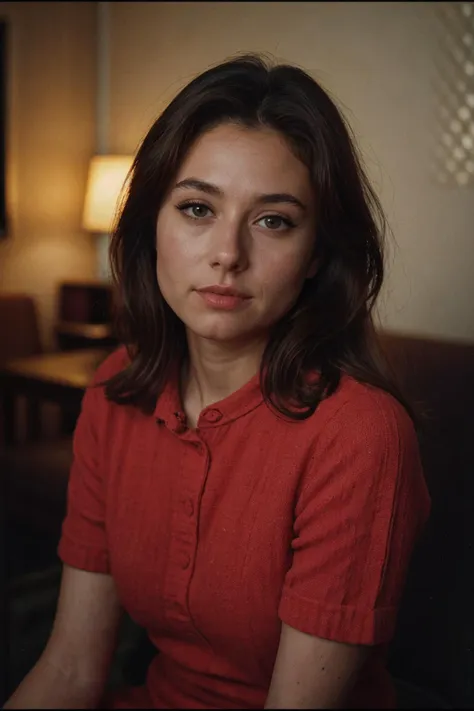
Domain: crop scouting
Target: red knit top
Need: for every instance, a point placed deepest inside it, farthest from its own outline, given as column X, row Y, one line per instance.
column 216, row 535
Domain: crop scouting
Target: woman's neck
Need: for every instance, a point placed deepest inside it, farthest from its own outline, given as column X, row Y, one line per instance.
column 213, row 371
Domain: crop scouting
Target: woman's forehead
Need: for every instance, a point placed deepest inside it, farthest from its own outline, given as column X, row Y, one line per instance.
column 259, row 157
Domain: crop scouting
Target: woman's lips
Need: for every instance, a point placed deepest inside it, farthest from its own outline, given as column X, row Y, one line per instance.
column 226, row 302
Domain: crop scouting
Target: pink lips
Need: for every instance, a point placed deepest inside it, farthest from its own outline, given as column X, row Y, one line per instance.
column 222, row 297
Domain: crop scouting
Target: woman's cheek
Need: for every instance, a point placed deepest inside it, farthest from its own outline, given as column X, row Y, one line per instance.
column 286, row 275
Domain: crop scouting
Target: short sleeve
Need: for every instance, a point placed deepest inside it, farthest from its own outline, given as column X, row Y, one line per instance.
column 83, row 542
column 362, row 504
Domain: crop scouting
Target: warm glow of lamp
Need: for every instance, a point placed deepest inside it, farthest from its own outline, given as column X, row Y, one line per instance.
column 106, row 179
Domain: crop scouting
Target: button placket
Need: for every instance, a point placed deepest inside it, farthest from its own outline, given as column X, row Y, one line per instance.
column 188, row 506
column 185, row 561
column 184, row 537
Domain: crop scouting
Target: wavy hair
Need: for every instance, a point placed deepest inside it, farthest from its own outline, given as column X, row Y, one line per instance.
column 330, row 328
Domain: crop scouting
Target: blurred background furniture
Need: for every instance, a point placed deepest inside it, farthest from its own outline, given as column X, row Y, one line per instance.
column 411, row 696
column 84, row 315
column 19, row 337
column 434, row 642
column 37, row 468
column 30, row 380
column 19, row 329
column 40, row 396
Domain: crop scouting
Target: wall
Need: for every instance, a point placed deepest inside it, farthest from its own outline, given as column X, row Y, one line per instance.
column 51, row 136
column 377, row 60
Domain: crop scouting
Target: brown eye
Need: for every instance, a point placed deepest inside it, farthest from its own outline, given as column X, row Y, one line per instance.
column 276, row 223
column 194, row 210
column 199, row 210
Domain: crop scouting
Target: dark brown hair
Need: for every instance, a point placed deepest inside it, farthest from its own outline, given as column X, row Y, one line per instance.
column 330, row 327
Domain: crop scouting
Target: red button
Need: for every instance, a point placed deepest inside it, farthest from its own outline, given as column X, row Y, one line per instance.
column 213, row 415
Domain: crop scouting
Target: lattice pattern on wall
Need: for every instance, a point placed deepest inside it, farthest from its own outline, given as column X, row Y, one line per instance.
column 453, row 162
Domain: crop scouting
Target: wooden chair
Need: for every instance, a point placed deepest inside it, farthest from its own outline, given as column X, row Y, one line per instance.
column 33, row 478
column 14, row 309
column 19, row 329
column 36, row 472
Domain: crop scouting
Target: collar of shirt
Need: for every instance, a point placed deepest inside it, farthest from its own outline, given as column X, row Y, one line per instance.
column 169, row 409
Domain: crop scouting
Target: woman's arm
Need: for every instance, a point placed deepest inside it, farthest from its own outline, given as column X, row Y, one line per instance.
column 73, row 669
column 361, row 506
column 46, row 687
column 313, row 673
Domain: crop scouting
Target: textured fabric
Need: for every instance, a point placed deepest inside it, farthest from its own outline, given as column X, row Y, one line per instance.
column 216, row 535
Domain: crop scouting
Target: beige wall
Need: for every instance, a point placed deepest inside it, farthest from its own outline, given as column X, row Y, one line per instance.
column 377, row 60
column 51, row 135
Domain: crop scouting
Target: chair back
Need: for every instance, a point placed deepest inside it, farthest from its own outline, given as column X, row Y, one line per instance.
column 19, row 327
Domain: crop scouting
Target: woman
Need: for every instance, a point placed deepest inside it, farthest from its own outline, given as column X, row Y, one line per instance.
column 246, row 481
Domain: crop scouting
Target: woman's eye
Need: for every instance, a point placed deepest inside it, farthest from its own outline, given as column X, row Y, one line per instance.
column 195, row 210
column 275, row 222
column 199, row 211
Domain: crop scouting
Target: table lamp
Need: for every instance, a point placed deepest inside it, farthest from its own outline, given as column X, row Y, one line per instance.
column 106, row 179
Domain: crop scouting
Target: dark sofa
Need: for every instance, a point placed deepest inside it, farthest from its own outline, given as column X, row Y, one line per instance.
column 435, row 633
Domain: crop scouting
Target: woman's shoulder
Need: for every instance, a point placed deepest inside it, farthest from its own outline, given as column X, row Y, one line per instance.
column 114, row 363
column 363, row 397
column 361, row 440
column 358, row 410
column 95, row 401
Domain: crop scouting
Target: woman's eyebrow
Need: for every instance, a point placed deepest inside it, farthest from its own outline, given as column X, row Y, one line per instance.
column 264, row 199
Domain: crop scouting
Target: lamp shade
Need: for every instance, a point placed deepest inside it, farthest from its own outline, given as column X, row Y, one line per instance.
column 106, row 179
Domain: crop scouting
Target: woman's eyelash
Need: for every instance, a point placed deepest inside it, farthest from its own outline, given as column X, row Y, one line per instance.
column 191, row 203
column 286, row 220
column 185, row 205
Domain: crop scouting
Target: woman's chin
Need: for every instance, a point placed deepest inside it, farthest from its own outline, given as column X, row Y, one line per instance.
column 220, row 331
column 220, row 334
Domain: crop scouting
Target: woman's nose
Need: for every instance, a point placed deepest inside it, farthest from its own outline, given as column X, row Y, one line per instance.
column 229, row 247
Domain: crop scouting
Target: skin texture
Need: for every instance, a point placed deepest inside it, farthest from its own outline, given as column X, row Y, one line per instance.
column 234, row 239
column 313, row 673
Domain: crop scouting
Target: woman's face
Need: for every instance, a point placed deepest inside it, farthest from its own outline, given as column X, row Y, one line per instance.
column 240, row 216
